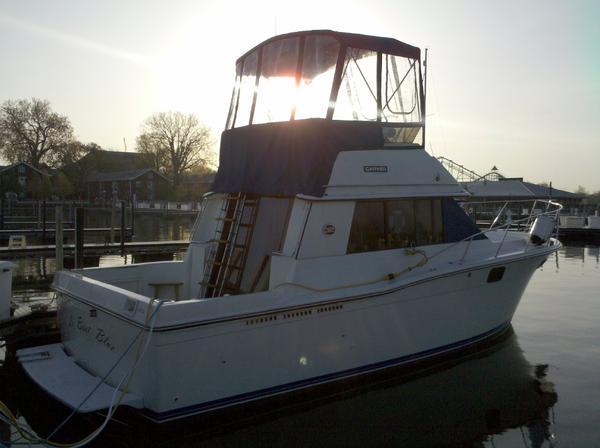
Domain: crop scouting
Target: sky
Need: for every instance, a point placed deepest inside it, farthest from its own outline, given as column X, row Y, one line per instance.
column 515, row 84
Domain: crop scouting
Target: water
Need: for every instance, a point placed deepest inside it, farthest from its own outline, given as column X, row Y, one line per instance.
column 35, row 272
column 538, row 387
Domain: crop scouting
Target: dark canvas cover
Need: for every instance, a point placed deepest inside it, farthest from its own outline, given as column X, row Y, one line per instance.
column 288, row 158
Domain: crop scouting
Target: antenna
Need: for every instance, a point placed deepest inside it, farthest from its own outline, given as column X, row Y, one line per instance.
column 424, row 93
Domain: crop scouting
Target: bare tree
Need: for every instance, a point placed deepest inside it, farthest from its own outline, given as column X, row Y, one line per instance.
column 31, row 132
column 176, row 141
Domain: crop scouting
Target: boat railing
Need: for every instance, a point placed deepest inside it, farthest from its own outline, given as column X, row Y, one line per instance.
column 552, row 210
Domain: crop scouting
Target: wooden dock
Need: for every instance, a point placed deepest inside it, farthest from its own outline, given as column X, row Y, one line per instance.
column 579, row 234
column 94, row 249
column 51, row 230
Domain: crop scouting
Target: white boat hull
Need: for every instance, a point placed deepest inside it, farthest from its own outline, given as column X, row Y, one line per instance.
column 203, row 366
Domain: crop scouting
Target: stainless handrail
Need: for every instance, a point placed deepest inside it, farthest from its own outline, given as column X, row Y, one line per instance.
column 554, row 214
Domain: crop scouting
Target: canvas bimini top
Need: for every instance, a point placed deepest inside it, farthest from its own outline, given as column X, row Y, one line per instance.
column 301, row 98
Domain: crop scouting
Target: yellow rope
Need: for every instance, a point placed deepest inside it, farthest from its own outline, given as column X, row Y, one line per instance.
column 390, row 276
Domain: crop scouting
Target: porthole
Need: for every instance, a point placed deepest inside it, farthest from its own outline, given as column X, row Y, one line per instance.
column 496, row 274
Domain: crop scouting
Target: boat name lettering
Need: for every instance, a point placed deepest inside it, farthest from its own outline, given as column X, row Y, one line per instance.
column 83, row 327
column 375, row 168
column 104, row 339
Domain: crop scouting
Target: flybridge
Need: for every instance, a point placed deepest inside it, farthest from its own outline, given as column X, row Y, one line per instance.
column 301, row 98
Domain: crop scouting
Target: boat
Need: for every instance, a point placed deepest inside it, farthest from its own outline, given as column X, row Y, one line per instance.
column 331, row 246
column 502, row 388
column 579, row 228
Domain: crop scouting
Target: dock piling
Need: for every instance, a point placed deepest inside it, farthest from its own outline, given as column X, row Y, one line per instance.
column 113, row 206
column 133, row 217
column 44, row 221
column 79, row 235
column 123, row 210
column 58, row 238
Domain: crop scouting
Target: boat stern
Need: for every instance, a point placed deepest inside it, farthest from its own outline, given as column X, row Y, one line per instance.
column 104, row 350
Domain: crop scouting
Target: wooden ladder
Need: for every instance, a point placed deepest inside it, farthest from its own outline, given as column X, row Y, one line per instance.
column 226, row 261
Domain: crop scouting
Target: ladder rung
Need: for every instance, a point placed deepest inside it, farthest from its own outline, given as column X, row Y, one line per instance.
column 240, row 246
column 246, row 225
column 225, row 219
column 235, row 268
column 219, row 241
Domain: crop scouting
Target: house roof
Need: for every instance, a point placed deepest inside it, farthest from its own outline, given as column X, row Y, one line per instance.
column 9, row 167
column 206, row 178
column 99, row 160
column 121, row 175
column 516, row 188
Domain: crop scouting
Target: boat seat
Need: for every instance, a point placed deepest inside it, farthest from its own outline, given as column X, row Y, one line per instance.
column 161, row 287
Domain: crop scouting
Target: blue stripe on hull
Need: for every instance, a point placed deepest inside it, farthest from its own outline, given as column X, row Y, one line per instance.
column 237, row 399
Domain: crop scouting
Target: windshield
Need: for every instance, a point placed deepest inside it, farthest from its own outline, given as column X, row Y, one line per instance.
column 304, row 77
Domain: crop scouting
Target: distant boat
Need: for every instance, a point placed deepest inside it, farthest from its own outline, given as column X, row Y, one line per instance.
column 330, row 246
column 580, row 228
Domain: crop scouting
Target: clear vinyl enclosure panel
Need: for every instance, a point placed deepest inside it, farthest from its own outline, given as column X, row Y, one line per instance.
column 317, row 76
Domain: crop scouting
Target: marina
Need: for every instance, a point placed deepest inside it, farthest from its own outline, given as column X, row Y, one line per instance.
column 252, row 293
column 341, row 224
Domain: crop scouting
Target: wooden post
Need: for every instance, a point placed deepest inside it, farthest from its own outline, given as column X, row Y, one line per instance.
column 44, row 221
column 113, row 217
column 133, row 216
column 58, row 237
column 123, row 228
column 79, row 234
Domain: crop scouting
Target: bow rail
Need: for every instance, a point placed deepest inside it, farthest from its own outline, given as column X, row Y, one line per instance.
column 524, row 225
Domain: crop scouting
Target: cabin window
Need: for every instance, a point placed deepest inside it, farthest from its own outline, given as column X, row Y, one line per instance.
column 277, row 82
column 234, row 96
column 400, row 96
column 357, row 96
column 367, row 233
column 400, row 220
column 246, row 92
column 318, row 69
column 379, row 225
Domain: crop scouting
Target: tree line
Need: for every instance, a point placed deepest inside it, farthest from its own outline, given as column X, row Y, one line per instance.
column 30, row 131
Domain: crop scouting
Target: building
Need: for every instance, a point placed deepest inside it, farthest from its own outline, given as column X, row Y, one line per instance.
column 495, row 187
column 144, row 184
column 515, row 188
column 193, row 186
column 23, row 181
column 101, row 161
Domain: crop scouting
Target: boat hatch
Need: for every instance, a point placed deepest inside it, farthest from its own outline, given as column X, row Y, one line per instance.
column 60, row 376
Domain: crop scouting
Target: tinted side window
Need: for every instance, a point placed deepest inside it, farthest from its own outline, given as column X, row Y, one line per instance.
column 400, row 221
column 379, row 225
column 424, row 221
column 367, row 232
column 438, row 225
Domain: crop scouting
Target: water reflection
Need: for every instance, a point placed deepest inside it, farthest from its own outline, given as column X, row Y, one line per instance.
column 36, row 271
column 487, row 399
column 581, row 252
column 577, row 252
